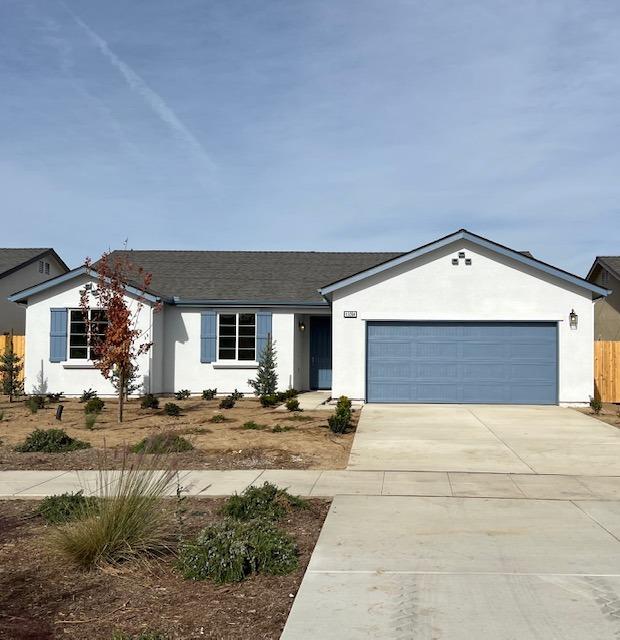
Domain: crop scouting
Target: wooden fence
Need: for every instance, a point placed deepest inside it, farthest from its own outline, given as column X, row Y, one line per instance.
column 19, row 347
column 607, row 370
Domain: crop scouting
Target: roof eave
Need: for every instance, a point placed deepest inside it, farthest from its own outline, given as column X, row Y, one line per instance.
column 201, row 302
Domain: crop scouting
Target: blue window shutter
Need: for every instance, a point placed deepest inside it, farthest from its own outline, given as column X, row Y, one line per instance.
column 208, row 336
column 263, row 331
column 58, row 335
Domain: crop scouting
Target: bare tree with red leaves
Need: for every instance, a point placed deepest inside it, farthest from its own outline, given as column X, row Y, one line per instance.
column 116, row 342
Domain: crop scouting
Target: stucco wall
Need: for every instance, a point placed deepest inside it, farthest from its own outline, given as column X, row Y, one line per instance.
column 492, row 288
column 59, row 376
column 13, row 315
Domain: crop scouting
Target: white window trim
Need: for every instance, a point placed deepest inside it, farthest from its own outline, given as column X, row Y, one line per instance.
column 234, row 362
column 80, row 363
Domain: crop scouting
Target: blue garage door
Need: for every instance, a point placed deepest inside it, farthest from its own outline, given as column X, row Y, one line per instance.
column 462, row 362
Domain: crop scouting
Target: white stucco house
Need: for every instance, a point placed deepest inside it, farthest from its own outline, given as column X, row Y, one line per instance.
column 459, row 320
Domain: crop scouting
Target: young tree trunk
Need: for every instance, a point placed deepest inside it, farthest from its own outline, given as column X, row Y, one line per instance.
column 121, row 394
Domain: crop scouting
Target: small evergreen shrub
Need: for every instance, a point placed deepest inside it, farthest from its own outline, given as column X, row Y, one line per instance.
column 54, row 397
column 64, row 507
column 291, row 393
column 268, row 502
column 88, row 394
column 292, row 404
column 280, row 429
column 218, row 417
column 231, row 550
column 253, row 426
column 171, row 409
column 266, row 381
column 50, row 441
column 34, row 403
column 227, row 403
column 94, row 405
column 236, row 395
column 268, row 400
column 596, row 405
column 209, row 394
column 166, row 442
column 341, row 419
column 90, row 419
column 183, row 394
column 149, row 401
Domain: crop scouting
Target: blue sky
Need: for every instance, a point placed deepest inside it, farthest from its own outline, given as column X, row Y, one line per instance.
column 318, row 124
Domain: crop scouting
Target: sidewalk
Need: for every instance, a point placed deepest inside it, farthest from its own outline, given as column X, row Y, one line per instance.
column 38, row 484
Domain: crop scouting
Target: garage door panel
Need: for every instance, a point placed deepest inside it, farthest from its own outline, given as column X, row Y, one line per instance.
column 462, row 362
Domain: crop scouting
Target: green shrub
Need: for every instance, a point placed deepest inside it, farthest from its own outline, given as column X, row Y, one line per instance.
column 253, row 426
column 183, row 394
column 166, row 442
column 341, row 419
column 54, row 397
column 267, row 501
column 171, row 409
column 291, row 393
column 128, row 521
column 209, row 394
column 90, row 420
column 292, row 404
column 280, row 429
column 149, row 401
column 51, row 441
column 269, row 400
column 236, row 395
column 34, row 403
column 218, row 417
column 65, row 507
column 94, row 405
column 227, row 403
column 88, row 394
column 596, row 405
column 231, row 550
column 298, row 418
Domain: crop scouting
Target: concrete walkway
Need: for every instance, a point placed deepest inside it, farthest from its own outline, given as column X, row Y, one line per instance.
column 409, row 568
column 484, row 438
column 37, row 484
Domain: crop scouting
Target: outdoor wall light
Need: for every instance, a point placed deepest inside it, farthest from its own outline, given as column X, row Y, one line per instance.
column 573, row 319
column 302, row 326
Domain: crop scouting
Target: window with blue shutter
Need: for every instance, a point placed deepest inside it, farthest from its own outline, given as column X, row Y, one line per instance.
column 58, row 335
column 208, row 336
column 263, row 331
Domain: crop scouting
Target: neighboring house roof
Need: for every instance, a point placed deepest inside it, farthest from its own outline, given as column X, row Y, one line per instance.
column 13, row 259
column 611, row 263
column 276, row 277
column 463, row 234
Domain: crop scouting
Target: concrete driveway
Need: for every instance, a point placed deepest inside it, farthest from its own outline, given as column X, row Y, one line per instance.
column 434, row 568
column 484, row 438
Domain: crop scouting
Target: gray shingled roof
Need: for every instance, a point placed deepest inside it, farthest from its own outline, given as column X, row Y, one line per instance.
column 255, row 276
column 12, row 258
column 611, row 262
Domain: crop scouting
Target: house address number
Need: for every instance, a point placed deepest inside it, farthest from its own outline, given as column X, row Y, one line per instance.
column 350, row 314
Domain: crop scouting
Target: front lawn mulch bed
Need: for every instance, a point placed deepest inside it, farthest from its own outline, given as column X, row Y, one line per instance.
column 43, row 597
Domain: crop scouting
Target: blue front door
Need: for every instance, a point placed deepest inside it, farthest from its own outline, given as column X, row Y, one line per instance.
column 320, row 352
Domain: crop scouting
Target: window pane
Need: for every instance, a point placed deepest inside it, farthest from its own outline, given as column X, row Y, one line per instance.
column 78, row 327
column 247, row 330
column 227, row 343
column 98, row 315
column 99, row 328
column 78, row 352
column 246, row 318
column 246, row 354
column 228, row 319
column 226, row 354
column 246, row 343
column 228, row 330
column 78, row 340
column 77, row 315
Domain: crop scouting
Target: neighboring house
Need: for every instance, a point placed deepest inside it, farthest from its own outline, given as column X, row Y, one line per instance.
column 21, row 268
column 459, row 320
column 605, row 272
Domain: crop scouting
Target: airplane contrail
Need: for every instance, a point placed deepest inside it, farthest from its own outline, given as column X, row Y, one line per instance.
column 151, row 97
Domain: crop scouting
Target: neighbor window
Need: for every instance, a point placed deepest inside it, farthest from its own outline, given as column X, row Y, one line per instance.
column 79, row 347
column 40, row 266
column 47, row 268
column 237, row 336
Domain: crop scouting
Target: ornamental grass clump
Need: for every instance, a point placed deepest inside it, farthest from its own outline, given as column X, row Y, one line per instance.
column 50, row 441
column 128, row 521
column 231, row 550
column 266, row 502
column 166, row 442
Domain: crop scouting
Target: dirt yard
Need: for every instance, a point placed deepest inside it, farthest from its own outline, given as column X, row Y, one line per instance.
column 43, row 597
column 284, row 440
column 610, row 413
